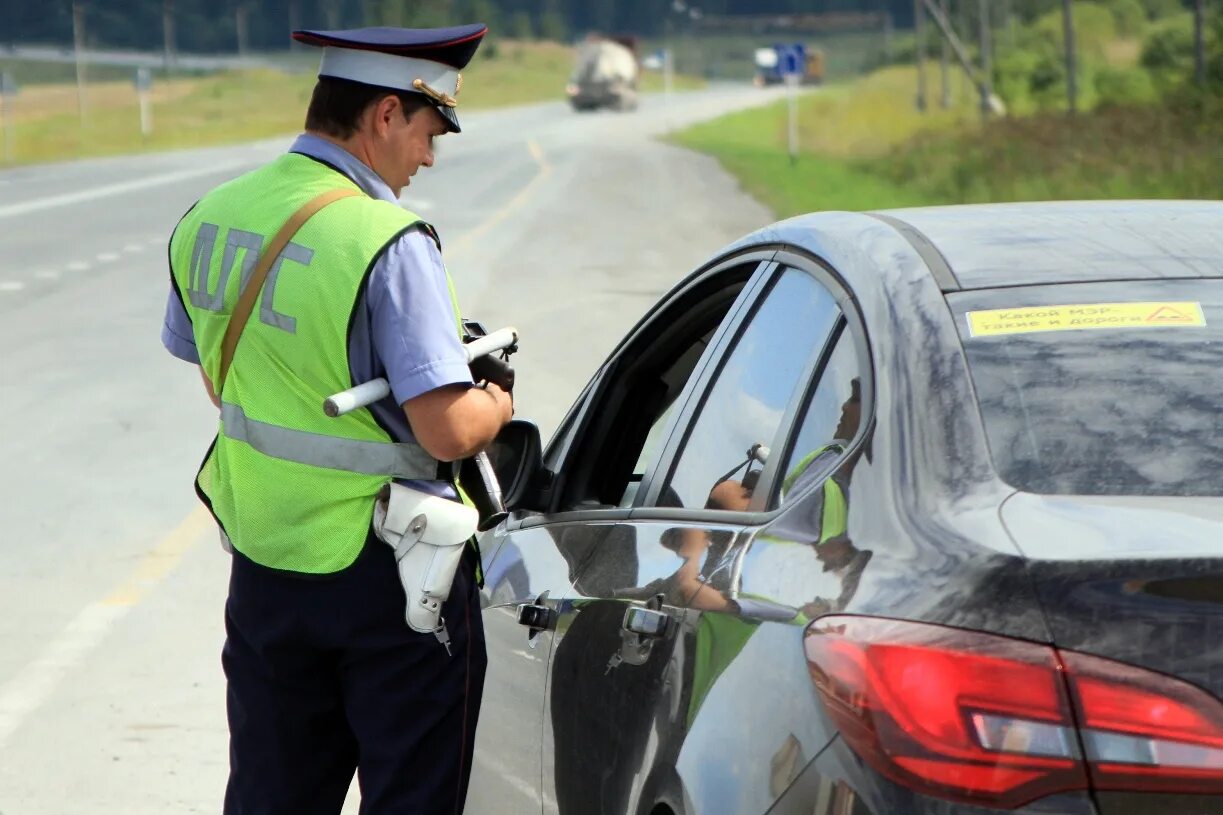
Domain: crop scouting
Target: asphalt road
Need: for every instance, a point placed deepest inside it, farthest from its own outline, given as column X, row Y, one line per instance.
column 111, row 581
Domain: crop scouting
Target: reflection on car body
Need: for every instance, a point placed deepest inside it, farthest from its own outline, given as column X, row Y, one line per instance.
column 813, row 541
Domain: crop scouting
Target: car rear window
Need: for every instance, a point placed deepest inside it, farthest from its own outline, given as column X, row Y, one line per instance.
column 1102, row 388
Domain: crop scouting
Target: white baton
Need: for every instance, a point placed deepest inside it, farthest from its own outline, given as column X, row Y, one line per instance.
column 364, row 394
column 499, row 340
column 369, row 392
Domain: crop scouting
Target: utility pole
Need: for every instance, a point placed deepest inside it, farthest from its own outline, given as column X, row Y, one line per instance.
column 167, row 32
column 241, row 22
column 987, row 58
column 963, row 27
column 919, row 32
column 887, row 37
column 972, row 72
column 8, row 89
column 78, row 46
column 295, row 10
column 1072, row 86
column 335, row 14
column 943, row 58
column 1199, row 42
column 1008, row 20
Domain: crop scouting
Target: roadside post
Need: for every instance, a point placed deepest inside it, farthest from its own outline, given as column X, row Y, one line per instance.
column 8, row 89
column 78, row 52
column 667, row 69
column 144, row 84
column 791, row 62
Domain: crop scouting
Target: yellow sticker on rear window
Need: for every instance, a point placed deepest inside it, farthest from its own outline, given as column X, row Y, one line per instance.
column 1084, row 316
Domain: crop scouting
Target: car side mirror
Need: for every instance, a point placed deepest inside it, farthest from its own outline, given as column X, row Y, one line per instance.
column 517, row 458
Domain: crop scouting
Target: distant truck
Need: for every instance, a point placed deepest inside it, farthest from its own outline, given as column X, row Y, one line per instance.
column 768, row 65
column 604, row 75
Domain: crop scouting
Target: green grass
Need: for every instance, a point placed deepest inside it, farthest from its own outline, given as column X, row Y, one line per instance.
column 229, row 107
column 520, row 73
column 864, row 146
column 763, row 167
column 1152, row 151
column 239, row 106
column 842, row 130
column 29, row 73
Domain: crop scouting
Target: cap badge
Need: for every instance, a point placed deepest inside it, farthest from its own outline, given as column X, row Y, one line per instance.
column 436, row 95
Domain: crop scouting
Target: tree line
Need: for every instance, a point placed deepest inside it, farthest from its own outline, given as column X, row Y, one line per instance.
column 220, row 25
column 226, row 26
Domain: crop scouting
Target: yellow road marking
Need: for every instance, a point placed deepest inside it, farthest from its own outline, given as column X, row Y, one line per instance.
column 500, row 215
column 38, row 679
column 162, row 559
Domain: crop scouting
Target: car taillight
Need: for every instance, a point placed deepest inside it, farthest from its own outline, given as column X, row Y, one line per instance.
column 990, row 720
column 1143, row 730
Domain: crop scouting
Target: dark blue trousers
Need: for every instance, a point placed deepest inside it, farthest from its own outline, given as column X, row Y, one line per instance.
column 325, row 678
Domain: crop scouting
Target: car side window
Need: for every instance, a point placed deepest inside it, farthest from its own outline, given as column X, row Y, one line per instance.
column 625, row 428
column 675, row 378
column 727, row 443
column 829, row 420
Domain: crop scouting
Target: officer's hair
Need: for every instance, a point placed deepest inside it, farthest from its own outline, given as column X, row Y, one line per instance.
column 337, row 104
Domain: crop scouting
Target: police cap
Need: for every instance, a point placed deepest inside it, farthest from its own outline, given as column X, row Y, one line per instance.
column 417, row 60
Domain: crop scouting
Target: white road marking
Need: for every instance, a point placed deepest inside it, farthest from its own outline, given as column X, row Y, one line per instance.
column 108, row 257
column 26, row 691
column 77, row 266
column 520, row 786
column 46, row 274
column 155, row 241
column 11, row 285
column 133, row 248
column 120, row 188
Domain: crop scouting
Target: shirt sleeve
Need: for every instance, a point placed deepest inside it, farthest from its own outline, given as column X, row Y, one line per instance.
column 413, row 324
column 176, row 333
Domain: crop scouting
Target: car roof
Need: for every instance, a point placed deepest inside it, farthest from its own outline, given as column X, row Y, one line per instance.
column 996, row 245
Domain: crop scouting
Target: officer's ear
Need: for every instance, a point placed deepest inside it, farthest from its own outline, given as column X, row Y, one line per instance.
column 382, row 112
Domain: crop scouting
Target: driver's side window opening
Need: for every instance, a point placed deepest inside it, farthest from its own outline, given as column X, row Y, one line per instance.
column 673, row 379
column 628, row 428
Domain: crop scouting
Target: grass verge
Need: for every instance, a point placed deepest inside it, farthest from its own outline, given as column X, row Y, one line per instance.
column 863, row 146
column 842, row 129
column 45, row 125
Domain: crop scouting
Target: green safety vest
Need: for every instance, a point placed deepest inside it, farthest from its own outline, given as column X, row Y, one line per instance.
column 291, row 488
column 720, row 637
column 835, row 515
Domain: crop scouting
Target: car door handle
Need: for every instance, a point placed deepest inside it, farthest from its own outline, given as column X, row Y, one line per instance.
column 646, row 623
column 536, row 617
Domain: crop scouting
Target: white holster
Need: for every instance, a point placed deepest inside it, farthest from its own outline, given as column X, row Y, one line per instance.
column 427, row 534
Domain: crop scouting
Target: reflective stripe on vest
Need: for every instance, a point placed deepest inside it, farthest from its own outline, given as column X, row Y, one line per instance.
column 398, row 460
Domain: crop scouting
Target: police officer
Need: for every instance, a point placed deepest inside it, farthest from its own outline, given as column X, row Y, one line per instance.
column 324, row 676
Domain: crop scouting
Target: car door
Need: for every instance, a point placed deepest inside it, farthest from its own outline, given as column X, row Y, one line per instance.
column 525, row 570
column 803, row 561
column 597, row 462
column 632, row 659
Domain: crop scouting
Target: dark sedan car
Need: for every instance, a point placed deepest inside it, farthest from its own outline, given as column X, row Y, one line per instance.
column 903, row 512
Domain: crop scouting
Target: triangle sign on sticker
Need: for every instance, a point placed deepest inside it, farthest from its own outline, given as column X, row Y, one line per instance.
column 1167, row 314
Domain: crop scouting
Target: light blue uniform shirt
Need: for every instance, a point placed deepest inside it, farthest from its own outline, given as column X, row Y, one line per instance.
column 404, row 323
